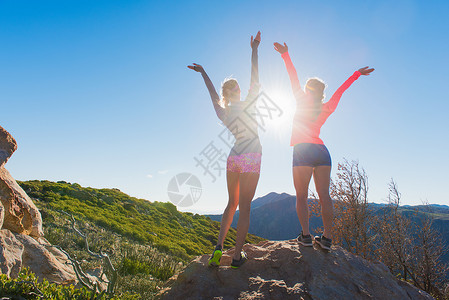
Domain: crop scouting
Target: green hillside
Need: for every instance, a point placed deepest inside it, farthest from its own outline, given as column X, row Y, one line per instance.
column 156, row 223
column 147, row 241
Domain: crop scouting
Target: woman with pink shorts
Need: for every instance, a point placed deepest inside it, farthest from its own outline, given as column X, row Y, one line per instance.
column 243, row 164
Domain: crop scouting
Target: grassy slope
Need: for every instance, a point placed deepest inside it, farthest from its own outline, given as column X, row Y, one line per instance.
column 147, row 241
column 155, row 223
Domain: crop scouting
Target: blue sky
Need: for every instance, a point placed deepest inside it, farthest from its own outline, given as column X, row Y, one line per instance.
column 98, row 92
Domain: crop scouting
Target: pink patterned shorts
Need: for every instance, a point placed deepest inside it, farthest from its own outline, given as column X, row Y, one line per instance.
column 244, row 163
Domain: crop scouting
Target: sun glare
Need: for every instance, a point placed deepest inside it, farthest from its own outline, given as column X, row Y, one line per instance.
column 279, row 126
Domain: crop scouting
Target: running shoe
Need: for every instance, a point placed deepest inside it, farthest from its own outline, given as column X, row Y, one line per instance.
column 216, row 256
column 305, row 240
column 238, row 263
column 324, row 242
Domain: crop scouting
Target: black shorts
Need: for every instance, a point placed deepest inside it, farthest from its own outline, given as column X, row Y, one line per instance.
column 311, row 155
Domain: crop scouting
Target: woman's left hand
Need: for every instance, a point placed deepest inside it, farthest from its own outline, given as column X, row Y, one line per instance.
column 255, row 41
column 196, row 67
column 365, row 70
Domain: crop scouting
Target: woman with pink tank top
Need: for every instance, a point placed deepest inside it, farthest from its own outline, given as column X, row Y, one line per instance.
column 310, row 155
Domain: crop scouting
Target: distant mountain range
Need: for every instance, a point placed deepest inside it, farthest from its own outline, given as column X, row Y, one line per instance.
column 273, row 217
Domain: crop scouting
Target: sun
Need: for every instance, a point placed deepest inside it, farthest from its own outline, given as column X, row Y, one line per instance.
column 279, row 125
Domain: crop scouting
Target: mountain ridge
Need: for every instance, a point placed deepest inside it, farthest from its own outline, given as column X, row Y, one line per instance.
column 274, row 217
column 437, row 210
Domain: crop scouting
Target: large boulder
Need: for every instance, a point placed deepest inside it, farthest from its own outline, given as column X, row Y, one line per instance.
column 7, row 146
column 46, row 261
column 20, row 213
column 21, row 236
column 10, row 254
column 19, row 250
column 286, row 270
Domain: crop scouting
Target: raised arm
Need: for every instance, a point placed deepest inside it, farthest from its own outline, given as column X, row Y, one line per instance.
column 296, row 86
column 254, row 84
column 331, row 105
column 255, row 60
column 220, row 111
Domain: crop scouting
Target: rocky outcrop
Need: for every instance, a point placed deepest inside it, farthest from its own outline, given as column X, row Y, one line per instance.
column 21, row 236
column 286, row 270
column 19, row 250
column 20, row 214
column 44, row 263
column 10, row 254
column 7, row 146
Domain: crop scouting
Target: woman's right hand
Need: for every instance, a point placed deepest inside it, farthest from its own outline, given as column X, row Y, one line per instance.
column 281, row 49
column 365, row 70
column 196, row 67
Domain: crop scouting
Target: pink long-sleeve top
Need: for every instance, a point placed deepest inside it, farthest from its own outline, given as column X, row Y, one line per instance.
column 306, row 125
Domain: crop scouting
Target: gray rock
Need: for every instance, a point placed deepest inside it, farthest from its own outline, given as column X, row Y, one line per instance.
column 94, row 277
column 10, row 254
column 46, row 261
column 2, row 214
column 286, row 270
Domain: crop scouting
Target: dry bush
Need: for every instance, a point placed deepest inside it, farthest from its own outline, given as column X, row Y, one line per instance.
column 353, row 219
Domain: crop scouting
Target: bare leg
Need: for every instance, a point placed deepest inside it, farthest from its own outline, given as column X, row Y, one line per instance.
column 248, row 184
column 233, row 191
column 321, row 176
column 301, row 179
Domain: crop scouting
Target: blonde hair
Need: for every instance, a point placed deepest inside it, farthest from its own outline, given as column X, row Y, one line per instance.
column 228, row 85
column 316, row 86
